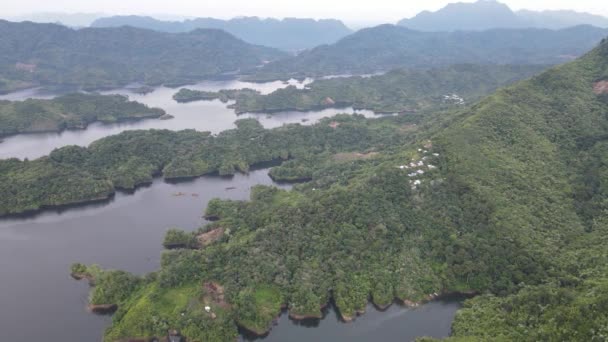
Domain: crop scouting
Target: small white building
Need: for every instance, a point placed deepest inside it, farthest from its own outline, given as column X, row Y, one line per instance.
column 420, row 172
column 207, row 308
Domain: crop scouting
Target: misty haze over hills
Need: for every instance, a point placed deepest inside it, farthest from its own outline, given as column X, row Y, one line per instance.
column 489, row 14
column 280, row 33
column 386, row 47
column 289, row 34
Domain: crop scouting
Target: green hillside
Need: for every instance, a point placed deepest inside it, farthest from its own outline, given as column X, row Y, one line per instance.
column 506, row 198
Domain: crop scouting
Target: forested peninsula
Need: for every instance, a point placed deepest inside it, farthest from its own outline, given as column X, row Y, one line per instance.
column 74, row 174
column 505, row 197
column 398, row 91
column 71, row 111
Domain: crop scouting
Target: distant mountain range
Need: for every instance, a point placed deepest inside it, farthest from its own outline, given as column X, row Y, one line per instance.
column 92, row 58
column 490, row 14
column 289, row 34
column 67, row 19
column 387, row 47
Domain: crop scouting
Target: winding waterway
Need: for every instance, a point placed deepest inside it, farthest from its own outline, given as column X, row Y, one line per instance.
column 39, row 301
column 212, row 116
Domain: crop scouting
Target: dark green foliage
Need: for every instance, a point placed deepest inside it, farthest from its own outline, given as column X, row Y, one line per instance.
column 75, row 174
column 31, row 185
column 177, row 238
column 187, row 95
column 224, row 95
column 78, row 268
column 112, row 287
column 394, row 92
column 72, row 111
column 94, row 58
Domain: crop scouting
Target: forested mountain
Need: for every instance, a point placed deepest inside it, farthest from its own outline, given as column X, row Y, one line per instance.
column 464, row 16
column 505, row 197
column 388, row 47
column 289, row 34
column 397, row 91
column 72, row 111
column 92, row 58
column 491, row 14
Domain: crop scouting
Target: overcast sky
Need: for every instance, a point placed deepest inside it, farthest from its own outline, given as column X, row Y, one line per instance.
column 348, row 10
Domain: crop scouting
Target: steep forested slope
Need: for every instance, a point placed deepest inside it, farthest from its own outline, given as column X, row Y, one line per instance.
column 388, row 47
column 538, row 151
column 54, row 55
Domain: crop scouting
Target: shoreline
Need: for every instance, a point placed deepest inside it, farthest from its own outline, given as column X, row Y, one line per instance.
column 86, row 125
column 26, row 214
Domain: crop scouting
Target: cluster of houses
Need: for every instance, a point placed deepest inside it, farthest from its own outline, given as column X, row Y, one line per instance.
column 418, row 167
column 454, row 99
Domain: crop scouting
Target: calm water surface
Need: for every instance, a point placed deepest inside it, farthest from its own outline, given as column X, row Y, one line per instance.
column 397, row 323
column 40, row 302
column 213, row 116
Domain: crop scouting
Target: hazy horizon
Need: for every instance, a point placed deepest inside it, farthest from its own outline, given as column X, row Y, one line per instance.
column 359, row 13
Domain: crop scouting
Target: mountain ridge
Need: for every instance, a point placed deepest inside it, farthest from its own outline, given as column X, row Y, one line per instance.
column 491, row 14
column 290, row 34
column 386, row 47
column 92, row 58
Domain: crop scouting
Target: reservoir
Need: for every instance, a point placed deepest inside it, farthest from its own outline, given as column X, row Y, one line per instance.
column 39, row 300
column 212, row 116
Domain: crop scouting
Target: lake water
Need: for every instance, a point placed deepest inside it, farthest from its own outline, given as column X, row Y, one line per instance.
column 212, row 116
column 39, row 301
column 396, row 323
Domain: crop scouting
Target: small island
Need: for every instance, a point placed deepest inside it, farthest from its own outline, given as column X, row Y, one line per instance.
column 71, row 111
column 186, row 95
